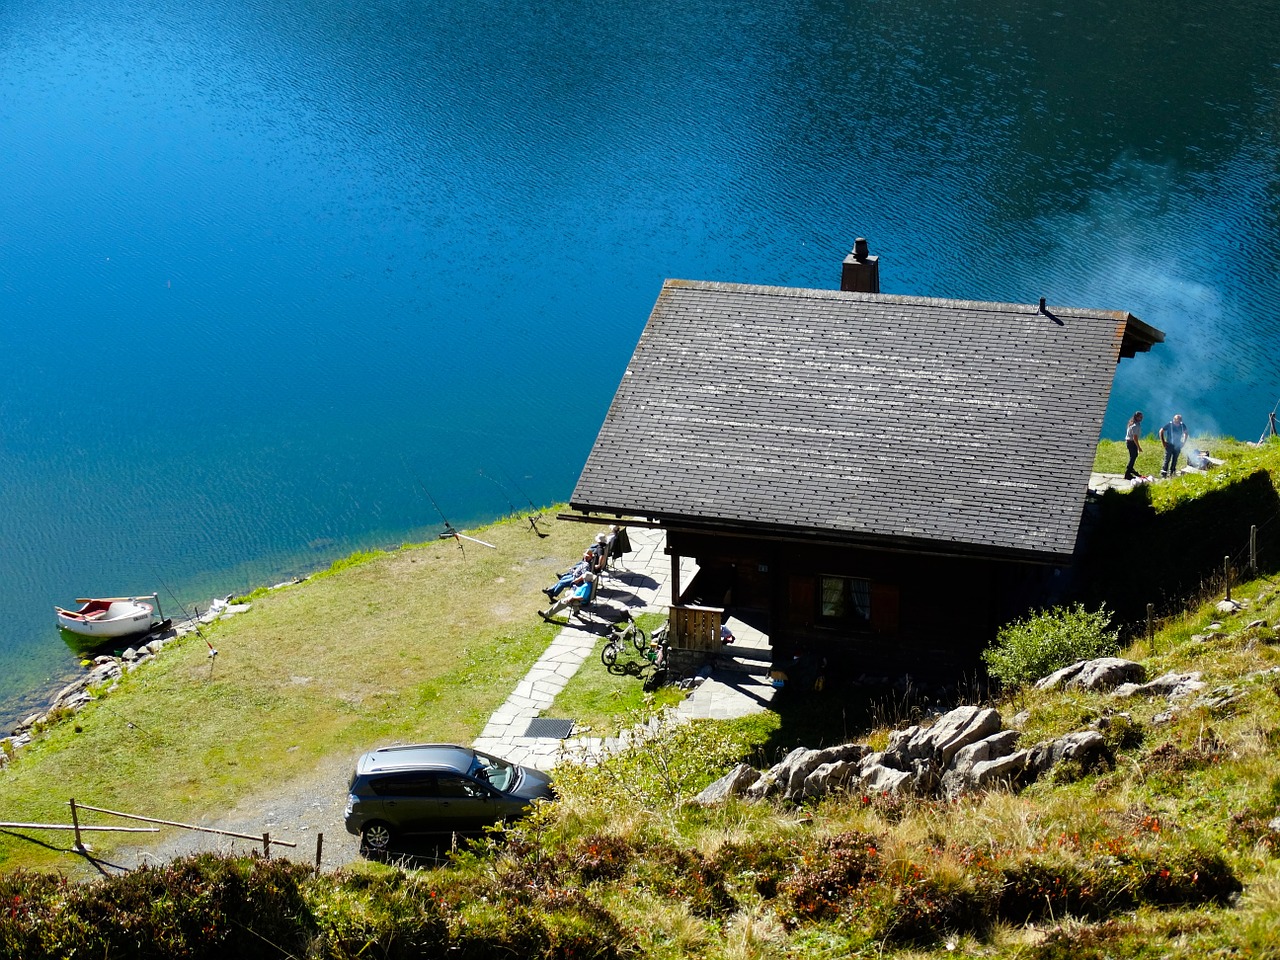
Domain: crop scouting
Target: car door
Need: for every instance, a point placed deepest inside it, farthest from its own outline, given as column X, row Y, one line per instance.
column 465, row 804
column 409, row 801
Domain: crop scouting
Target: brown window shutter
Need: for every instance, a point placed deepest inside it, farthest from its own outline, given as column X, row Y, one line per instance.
column 802, row 602
column 884, row 608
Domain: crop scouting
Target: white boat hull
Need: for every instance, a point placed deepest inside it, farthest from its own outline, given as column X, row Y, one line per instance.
column 97, row 618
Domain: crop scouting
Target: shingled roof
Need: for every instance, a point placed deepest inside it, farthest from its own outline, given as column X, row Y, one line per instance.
column 944, row 426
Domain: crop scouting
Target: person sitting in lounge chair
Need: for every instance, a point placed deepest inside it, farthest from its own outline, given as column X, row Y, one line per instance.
column 573, row 576
column 599, row 552
column 580, row 594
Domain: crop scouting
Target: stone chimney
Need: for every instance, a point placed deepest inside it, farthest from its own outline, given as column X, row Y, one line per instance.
column 861, row 271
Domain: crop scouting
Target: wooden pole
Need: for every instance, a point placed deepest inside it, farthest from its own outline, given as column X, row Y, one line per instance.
column 1253, row 548
column 84, row 828
column 319, row 850
column 75, row 822
column 175, row 823
column 1151, row 635
column 1226, row 574
column 266, row 845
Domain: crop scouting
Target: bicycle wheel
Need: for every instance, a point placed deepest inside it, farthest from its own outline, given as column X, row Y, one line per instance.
column 609, row 655
column 640, row 639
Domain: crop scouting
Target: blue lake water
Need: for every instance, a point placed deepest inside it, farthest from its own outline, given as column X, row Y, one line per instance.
column 270, row 267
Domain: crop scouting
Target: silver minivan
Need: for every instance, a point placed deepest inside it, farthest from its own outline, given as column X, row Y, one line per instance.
column 439, row 789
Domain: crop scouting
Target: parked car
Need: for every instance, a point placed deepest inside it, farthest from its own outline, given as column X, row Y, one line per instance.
column 437, row 788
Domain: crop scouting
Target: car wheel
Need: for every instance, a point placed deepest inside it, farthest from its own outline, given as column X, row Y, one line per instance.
column 376, row 835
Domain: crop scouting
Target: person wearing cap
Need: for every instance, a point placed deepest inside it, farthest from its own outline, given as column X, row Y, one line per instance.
column 1173, row 435
column 580, row 594
column 599, row 551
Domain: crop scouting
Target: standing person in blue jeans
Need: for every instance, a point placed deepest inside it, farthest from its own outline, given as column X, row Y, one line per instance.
column 1131, row 434
column 1173, row 435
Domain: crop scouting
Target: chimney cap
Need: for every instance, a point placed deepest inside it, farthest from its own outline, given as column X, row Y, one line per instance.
column 860, row 248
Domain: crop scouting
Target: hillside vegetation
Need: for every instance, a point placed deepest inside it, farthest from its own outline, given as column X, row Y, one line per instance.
column 1166, row 849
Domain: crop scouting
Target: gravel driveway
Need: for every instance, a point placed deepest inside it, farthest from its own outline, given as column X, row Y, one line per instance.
column 297, row 811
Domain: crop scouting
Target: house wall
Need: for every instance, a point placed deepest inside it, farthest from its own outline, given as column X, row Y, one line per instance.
column 927, row 615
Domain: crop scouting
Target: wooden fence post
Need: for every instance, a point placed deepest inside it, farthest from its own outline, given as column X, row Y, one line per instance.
column 75, row 822
column 1151, row 636
column 1226, row 574
column 1253, row 549
column 319, row 849
column 266, row 845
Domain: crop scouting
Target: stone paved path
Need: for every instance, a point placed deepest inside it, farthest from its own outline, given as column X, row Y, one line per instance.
column 736, row 685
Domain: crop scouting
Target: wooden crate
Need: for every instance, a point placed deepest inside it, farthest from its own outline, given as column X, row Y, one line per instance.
column 696, row 628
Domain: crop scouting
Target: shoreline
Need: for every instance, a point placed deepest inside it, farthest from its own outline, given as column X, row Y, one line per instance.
column 16, row 711
column 105, row 670
column 40, row 699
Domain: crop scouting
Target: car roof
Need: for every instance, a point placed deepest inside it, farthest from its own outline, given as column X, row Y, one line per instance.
column 433, row 756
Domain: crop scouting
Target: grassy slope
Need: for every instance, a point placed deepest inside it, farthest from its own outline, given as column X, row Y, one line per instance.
column 418, row 644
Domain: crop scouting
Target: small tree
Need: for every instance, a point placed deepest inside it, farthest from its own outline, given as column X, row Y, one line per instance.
column 1028, row 649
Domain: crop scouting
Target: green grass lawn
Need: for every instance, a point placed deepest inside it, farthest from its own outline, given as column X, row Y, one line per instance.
column 1113, row 455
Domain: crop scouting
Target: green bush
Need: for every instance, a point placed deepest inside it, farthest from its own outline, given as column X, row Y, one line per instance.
column 1035, row 646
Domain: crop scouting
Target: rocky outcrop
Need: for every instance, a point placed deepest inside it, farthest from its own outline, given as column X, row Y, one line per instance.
column 939, row 743
column 1103, row 673
column 788, row 778
column 964, row 750
column 1175, row 686
column 733, row 784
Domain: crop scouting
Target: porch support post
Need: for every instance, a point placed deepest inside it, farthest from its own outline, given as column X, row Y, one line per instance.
column 675, row 579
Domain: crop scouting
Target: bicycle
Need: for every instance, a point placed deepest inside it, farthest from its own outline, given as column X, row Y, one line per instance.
column 657, row 654
column 622, row 633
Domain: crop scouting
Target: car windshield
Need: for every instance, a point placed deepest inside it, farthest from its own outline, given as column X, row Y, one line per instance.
column 498, row 773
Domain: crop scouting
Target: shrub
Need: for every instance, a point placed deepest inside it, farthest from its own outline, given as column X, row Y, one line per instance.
column 201, row 906
column 825, row 876
column 1028, row 649
column 678, row 873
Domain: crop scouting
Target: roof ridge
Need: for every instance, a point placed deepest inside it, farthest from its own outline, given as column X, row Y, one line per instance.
column 953, row 303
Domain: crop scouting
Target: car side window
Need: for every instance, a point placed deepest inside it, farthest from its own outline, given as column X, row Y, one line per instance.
column 451, row 786
column 410, row 784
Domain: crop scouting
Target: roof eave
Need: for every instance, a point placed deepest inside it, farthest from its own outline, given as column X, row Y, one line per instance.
column 1139, row 337
column 814, row 536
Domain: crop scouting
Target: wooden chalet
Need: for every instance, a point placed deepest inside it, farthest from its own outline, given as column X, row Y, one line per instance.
column 879, row 479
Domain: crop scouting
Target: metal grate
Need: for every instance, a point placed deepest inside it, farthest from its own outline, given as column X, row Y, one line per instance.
column 549, row 727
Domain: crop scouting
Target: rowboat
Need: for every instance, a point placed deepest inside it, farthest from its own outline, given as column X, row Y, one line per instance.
column 108, row 617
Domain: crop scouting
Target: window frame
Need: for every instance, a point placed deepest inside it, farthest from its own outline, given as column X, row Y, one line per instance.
column 857, row 603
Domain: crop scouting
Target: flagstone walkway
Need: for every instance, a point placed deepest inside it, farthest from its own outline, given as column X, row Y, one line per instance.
column 737, row 684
